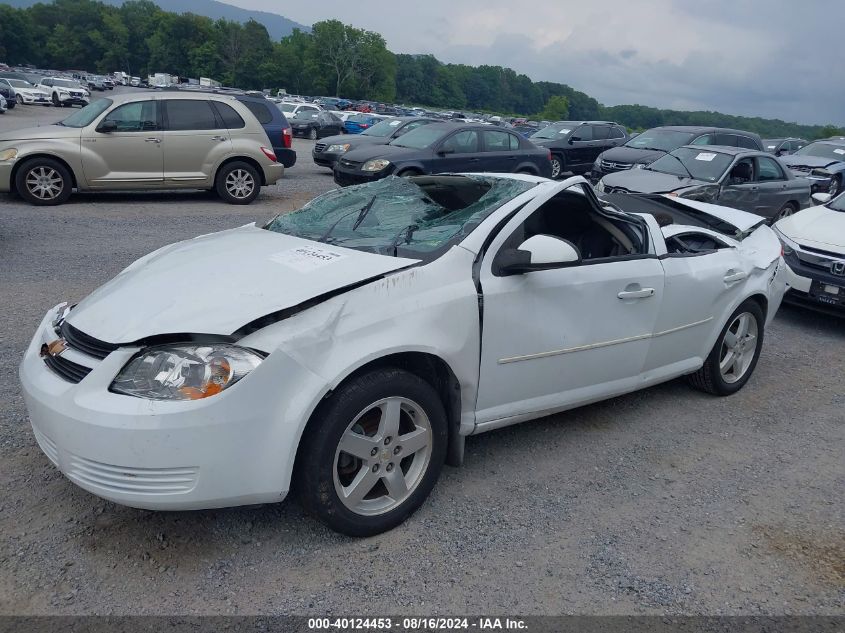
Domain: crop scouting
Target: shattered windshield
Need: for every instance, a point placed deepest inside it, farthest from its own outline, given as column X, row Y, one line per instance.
column 413, row 216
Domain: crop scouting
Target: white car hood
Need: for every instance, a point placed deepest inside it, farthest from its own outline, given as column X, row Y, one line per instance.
column 217, row 283
column 816, row 227
column 742, row 220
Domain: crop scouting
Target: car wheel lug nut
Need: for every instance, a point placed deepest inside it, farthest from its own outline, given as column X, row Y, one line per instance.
column 375, row 468
column 374, row 452
column 396, row 450
column 389, row 467
column 387, row 440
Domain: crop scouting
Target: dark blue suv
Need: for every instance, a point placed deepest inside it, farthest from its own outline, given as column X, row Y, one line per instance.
column 275, row 124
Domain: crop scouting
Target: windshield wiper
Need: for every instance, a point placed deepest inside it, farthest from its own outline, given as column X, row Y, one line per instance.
column 408, row 231
column 361, row 214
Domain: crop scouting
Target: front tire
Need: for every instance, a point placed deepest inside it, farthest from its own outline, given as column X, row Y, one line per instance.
column 312, row 134
column 373, row 452
column 835, row 186
column 43, row 182
column 237, row 183
column 558, row 166
column 19, row 99
column 735, row 354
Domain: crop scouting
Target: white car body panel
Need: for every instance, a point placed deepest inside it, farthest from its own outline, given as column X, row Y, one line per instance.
column 548, row 341
column 146, row 289
column 816, row 227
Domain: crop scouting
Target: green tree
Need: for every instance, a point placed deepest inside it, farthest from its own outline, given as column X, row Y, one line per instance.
column 557, row 109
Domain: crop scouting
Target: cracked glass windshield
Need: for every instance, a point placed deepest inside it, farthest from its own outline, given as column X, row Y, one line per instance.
column 414, row 216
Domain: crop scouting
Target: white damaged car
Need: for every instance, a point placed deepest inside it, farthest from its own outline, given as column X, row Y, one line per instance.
column 348, row 348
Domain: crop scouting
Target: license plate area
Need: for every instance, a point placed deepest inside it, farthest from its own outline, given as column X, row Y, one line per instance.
column 828, row 294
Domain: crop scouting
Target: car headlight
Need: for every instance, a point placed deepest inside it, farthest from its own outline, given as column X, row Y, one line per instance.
column 59, row 316
column 376, row 164
column 638, row 166
column 822, row 173
column 185, row 372
column 788, row 245
column 338, row 148
column 9, row 154
column 600, row 186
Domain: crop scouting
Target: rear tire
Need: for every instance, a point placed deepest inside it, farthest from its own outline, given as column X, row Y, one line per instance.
column 237, row 182
column 787, row 210
column 43, row 182
column 735, row 354
column 407, row 173
column 394, row 424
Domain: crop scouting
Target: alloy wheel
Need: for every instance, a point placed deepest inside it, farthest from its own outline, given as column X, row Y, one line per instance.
column 739, row 347
column 833, row 188
column 19, row 99
column 240, row 183
column 785, row 212
column 44, row 183
column 382, row 456
column 555, row 167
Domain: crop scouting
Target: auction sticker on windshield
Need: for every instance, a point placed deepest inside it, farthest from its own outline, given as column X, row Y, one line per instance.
column 707, row 156
column 304, row 259
column 839, row 151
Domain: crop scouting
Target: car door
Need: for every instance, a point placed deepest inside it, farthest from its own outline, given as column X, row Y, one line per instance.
column 497, row 155
column 601, row 142
column 196, row 140
column 740, row 193
column 124, row 149
column 562, row 337
column 700, row 289
column 459, row 152
column 579, row 148
column 772, row 183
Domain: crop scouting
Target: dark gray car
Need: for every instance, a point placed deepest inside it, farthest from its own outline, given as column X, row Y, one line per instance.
column 753, row 181
column 327, row 152
column 654, row 143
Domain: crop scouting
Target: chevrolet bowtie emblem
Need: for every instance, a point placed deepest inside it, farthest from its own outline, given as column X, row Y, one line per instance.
column 53, row 348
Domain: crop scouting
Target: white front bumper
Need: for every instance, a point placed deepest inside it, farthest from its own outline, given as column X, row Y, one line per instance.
column 235, row 448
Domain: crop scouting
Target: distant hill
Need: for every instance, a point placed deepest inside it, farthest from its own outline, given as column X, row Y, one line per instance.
column 277, row 26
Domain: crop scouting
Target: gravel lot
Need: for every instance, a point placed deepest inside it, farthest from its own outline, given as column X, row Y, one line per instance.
column 664, row 501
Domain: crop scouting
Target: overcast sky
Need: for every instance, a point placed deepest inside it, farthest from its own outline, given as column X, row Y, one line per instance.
column 772, row 58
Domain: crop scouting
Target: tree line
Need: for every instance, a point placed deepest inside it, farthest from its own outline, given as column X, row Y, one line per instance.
column 332, row 59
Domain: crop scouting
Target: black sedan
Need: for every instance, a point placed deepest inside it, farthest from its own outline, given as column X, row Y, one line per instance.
column 330, row 149
column 749, row 180
column 445, row 147
column 315, row 125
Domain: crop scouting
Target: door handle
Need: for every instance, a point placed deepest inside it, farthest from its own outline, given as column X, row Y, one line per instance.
column 218, row 138
column 152, row 140
column 732, row 276
column 643, row 293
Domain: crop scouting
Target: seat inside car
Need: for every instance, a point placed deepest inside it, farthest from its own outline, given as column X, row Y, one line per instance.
column 571, row 216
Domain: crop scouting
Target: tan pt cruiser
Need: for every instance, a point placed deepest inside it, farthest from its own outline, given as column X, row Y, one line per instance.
column 142, row 141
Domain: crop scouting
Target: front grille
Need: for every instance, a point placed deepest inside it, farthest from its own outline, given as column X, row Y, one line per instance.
column 320, row 147
column 128, row 479
column 67, row 369
column 802, row 168
column 611, row 166
column 84, row 343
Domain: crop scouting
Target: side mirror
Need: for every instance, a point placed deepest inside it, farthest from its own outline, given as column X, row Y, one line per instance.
column 445, row 151
column 107, row 127
column 822, row 198
column 572, row 139
column 541, row 252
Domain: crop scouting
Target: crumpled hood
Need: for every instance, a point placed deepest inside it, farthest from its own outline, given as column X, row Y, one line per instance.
column 644, row 181
column 810, row 161
column 816, row 227
column 217, row 283
column 631, row 155
column 43, row 131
